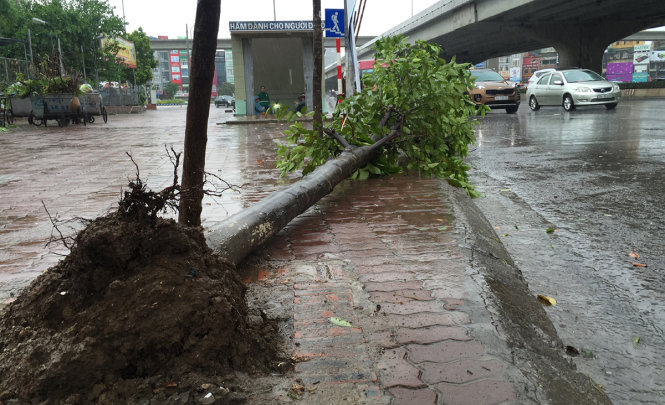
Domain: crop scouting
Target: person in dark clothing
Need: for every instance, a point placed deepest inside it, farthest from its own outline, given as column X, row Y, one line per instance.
column 264, row 98
column 300, row 104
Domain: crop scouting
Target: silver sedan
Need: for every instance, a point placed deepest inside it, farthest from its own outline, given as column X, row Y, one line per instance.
column 573, row 87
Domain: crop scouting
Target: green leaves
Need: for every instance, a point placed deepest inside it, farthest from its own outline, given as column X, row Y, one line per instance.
column 429, row 102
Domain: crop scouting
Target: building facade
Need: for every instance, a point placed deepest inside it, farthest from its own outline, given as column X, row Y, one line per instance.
column 173, row 67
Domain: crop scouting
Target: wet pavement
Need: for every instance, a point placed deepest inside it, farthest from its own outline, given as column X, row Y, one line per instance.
column 598, row 178
column 387, row 256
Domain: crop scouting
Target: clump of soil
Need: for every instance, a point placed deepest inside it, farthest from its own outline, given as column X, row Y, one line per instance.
column 140, row 309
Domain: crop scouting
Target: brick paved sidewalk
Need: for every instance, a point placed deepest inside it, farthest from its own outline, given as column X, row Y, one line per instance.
column 383, row 256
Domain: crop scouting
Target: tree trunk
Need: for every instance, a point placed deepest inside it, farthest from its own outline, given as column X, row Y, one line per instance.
column 201, row 73
column 236, row 237
column 318, row 68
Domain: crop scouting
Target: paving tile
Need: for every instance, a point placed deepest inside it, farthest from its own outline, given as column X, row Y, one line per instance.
column 393, row 286
column 409, row 307
column 400, row 276
column 460, row 371
column 396, row 297
column 392, row 321
column 486, row 392
column 430, row 334
column 444, row 351
column 407, row 396
column 394, row 370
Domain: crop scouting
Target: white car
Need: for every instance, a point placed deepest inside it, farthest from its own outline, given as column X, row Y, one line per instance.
column 570, row 88
column 537, row 75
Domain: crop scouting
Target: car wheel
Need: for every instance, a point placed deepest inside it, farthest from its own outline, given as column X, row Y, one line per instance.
column 611, row 106
column 568, row 103
column 512, row 110
column 533, row 104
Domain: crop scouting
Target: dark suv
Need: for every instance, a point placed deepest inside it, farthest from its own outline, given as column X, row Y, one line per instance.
column 225, row 101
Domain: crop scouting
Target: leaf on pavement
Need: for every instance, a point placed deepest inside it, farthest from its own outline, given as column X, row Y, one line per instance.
column 634, row 255
column 639, row 264
column 550, row 230
column 636, row 340
column 546, row 300
column 341, row 322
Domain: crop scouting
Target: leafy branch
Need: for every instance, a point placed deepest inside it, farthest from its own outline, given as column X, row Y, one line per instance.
column 413, row 109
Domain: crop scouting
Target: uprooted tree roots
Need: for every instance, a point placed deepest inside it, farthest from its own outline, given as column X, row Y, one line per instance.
column 140, row 309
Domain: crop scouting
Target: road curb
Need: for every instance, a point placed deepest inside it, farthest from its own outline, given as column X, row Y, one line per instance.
column 532, row 338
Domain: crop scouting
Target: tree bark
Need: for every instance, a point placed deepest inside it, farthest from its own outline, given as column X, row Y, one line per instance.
column 240, row 234
column 318, row 68
column 201, row 73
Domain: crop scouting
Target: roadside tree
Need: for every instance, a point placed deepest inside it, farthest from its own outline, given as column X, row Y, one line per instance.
column 170, row 89
column 145, row 59
column 227, row 89
column 77, row 23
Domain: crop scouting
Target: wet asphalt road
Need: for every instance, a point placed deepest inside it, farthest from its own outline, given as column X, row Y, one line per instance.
column 597, row 177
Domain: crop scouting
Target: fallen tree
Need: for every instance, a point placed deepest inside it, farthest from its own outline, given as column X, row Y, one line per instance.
column 413, row 114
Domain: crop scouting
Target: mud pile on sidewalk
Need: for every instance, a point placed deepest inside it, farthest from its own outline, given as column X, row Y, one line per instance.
column 136, row 311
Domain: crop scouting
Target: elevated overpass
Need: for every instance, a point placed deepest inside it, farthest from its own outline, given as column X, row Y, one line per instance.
column 580, row 30
column 225, row 43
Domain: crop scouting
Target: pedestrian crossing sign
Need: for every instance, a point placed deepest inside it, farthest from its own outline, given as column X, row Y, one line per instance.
column 334, row 22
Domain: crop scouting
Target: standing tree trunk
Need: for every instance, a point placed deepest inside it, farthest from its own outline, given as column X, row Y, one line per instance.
column 201, row 73
column 318, row 67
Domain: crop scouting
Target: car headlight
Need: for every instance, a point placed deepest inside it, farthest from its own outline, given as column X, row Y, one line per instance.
column 480, row 86
column 616, row 88
column 583, row 89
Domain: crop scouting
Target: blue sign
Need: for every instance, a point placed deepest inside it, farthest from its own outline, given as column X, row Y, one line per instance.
column 334, row 22
column 481, row 65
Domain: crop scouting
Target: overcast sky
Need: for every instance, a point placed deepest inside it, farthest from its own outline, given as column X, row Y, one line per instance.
column 168, row 17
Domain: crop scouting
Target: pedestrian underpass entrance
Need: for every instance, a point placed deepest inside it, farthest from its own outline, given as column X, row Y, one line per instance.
column 274, row 54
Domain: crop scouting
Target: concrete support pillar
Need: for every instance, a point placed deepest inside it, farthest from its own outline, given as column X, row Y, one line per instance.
column 248, row 63
column 308, row 70
column 582, row 44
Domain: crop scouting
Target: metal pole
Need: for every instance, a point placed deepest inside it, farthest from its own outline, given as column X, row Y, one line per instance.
column 62, row 68
column 189, row 68
column 124, row 22
column 274, row 11
column 30, row 46
column 340, row 90
column 85, row 76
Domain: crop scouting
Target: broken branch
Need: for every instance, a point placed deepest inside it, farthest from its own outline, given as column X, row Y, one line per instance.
column 333, row 134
